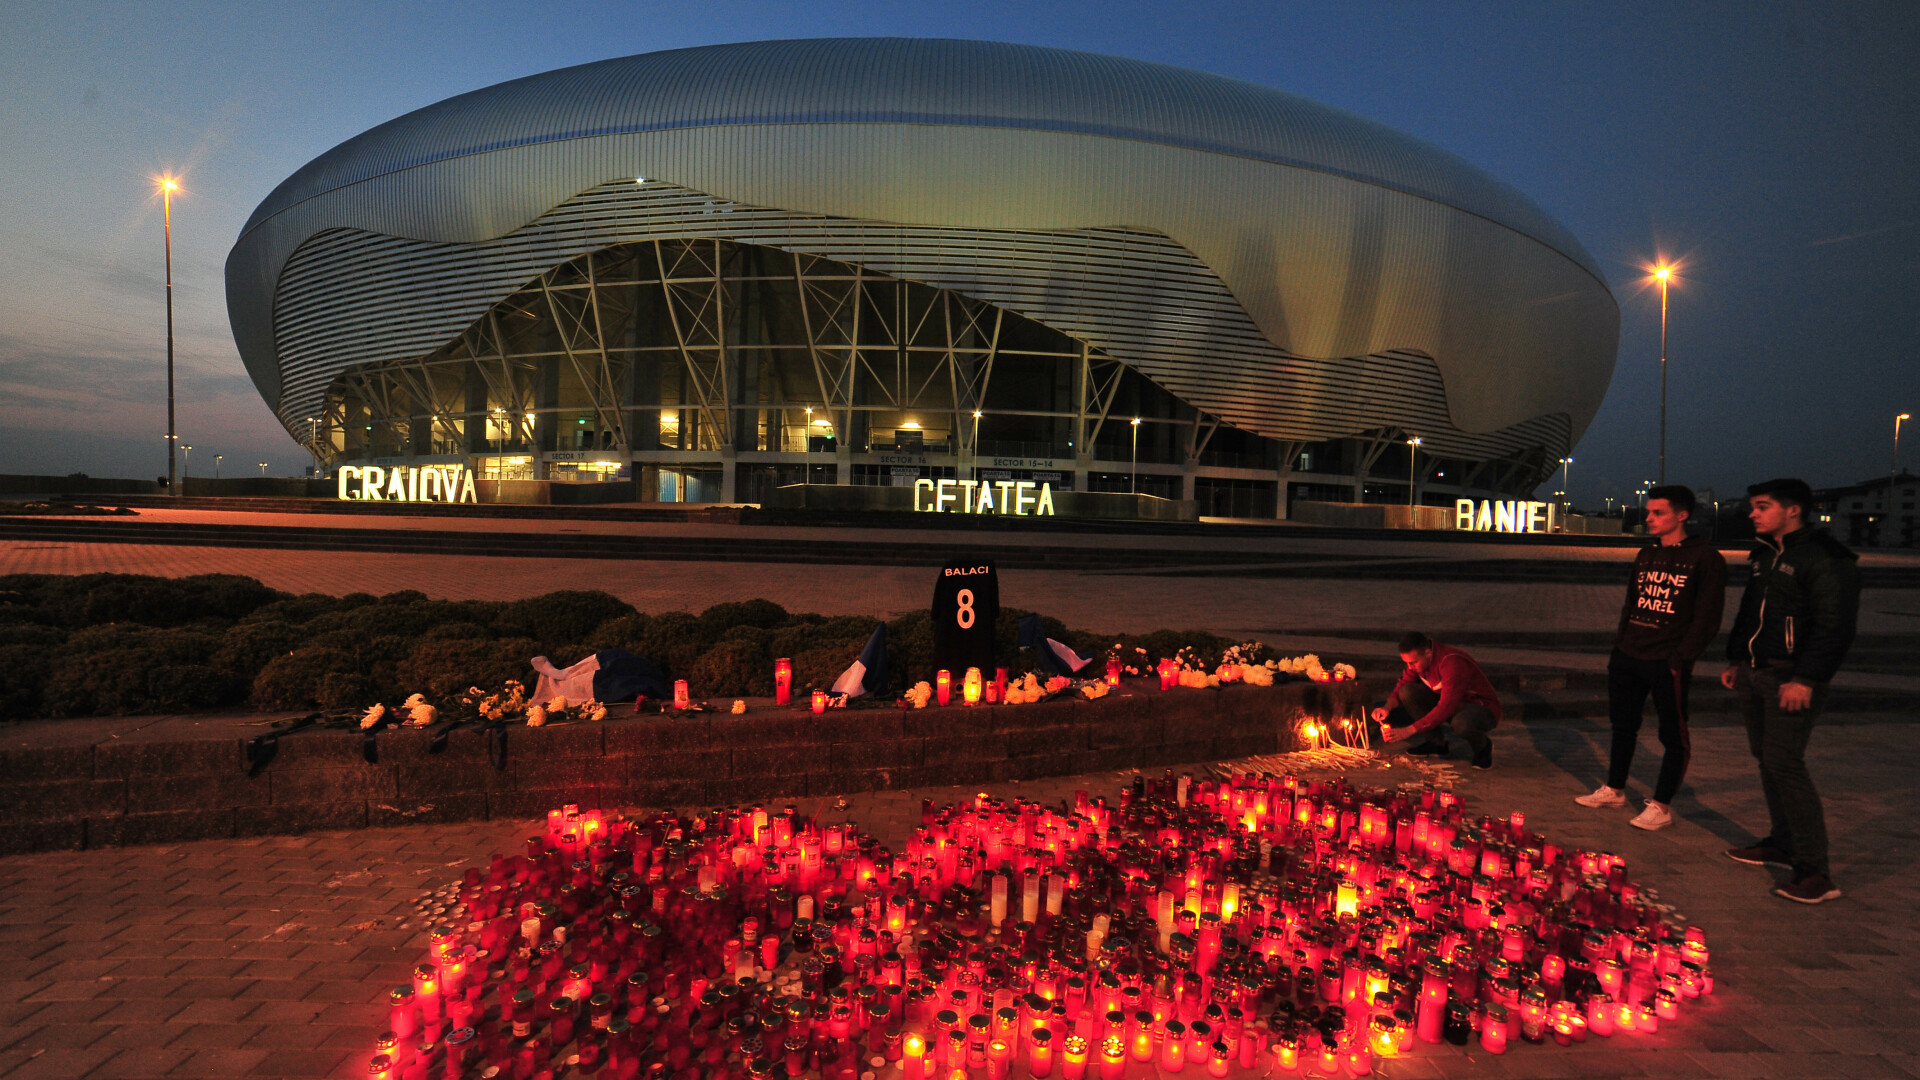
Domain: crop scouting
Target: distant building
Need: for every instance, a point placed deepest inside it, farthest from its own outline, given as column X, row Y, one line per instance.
column 1862, row 516
column 875, row 261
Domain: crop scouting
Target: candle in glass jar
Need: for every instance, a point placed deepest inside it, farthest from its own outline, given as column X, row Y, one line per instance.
column 943, row 686
column 681, row 698
column 913, row 1060
column 1040, row 1053
column 1113, row 672
column 819, row 701
column 783, row 681
column 1113, row 1057
column 1073, row 1058
column 1493, row 1032
column 1173, row 1048
column 971, row 686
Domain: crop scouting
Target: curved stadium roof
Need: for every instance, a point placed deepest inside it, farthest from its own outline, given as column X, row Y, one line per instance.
column 1333, row 236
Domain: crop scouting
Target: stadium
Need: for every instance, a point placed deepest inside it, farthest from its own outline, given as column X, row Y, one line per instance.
column 720, row 271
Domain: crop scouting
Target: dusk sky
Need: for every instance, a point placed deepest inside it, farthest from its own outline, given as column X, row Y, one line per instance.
column 1773, row 149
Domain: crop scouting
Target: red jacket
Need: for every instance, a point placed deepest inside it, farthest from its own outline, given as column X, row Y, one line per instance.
column 1457, row 679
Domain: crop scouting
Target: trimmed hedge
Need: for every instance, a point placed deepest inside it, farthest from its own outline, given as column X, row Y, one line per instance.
column 120, row 643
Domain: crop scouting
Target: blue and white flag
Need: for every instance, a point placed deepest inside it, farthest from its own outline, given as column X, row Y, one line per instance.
column 1049, row 655
column 869, row 673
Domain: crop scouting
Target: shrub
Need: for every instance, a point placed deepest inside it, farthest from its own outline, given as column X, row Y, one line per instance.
column 248, row 647
column 719, row 618
column 443, row 670
column 294, row 609
column 112, row 682
column 674, row 641
column 23, row 671
column 180, row 687
column 732, row 669
column 345, row 691
column 627, row 632
column 293, row 681
column 560, row 617
column 457, row 631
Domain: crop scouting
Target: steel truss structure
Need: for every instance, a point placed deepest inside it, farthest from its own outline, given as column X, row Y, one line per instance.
column 711, row 351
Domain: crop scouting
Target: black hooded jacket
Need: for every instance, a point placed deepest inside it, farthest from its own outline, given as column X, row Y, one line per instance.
column 1799, row 610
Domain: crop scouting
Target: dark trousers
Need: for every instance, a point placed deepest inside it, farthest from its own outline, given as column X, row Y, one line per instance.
column 1629, row 683
column 1471, row 722
column 1778, row 740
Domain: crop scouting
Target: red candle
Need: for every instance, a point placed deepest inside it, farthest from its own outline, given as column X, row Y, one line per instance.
column 1113, row 672
column 1074, row 1058
column 782, row 681
column 1040, row 1053
column 913, row 1064
column 943, row 686
column 681, row 699
column 819, row 701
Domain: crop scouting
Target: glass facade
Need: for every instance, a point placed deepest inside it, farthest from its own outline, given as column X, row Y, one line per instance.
column 714, row 371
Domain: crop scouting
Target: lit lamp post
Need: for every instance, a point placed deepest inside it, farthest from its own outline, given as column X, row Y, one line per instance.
column 975, row 445
column 186, row 466
column 1413, row 447
column 1133, row 480
column 1661, row 274
column 1566, row 488
column 168, row 185
column 217, row 459
column 263, row 468
column 1895, row 469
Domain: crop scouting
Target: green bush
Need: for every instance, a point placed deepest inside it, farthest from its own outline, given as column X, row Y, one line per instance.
column 346, row 692
column 732, row 669
column 293, row 681
column 248, row 647
column 560, row 618
column 627, row 632
column 443, row 670
column 119, row 643
column 181, row 687
column 23, row 671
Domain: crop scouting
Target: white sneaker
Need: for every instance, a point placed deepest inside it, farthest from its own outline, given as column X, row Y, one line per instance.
column 1655, row 816
column 1603, row 796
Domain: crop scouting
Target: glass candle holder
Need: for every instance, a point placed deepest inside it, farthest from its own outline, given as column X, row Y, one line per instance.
column 971, row 686
column 783, row 681
column 681, row 697
column 943, row 686
column 819, row 701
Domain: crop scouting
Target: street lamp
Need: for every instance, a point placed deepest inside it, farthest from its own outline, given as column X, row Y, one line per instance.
column 974, row 447
column 186, row 467
column 1661, row 274
column 263, row 468
column 1413, row 447
column 168, row 185
column 1566, row 489
column 1133, row 478
column 217, row 459
column 1895, row 469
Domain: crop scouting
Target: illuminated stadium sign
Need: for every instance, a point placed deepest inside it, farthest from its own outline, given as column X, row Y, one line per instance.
column 406, row 483
column 1019, row 498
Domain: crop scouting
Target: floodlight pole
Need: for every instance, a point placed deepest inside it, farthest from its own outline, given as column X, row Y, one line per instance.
column 166, row 202
column 1662, row 474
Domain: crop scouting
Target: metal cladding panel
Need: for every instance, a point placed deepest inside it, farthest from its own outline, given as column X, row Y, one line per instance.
column 349, row 298
column 945, row 83
column 1333, row 237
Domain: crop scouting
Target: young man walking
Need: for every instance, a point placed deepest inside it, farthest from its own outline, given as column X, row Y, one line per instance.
column 1795, row 625
column 1441, row 685
column 1673, row 609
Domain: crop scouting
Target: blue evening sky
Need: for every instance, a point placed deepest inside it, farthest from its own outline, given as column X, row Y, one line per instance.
column 1772, row 147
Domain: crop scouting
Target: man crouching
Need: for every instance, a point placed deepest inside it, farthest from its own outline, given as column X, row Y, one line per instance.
column 1441, row 685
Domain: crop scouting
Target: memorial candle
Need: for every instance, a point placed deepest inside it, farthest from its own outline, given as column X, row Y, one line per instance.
column 1173, row 1048
column 819, row 701
column 970, row 687
column 913, row 1061
column 1040, row 1053
column 1073, row 1058
column 1113, row 672
column 997, row 910
column 1113, row 1057
column 943, row 686
column 1493, row 1031
column 681, row 698
column 783, row 681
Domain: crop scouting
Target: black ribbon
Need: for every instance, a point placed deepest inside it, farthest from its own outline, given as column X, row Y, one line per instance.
column 262, row 748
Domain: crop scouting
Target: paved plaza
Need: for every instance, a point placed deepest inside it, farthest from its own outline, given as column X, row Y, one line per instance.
column 271, row 957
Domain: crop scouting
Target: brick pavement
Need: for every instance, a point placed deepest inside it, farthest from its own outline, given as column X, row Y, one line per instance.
column 269, row 957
